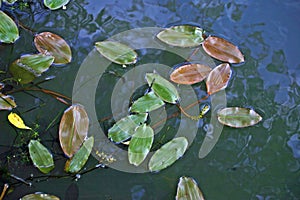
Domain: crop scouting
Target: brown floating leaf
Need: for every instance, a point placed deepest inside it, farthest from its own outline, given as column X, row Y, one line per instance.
column 223, row 50
column 73, row 129
column 218, row 78
column 51, row 44
column 190, row 73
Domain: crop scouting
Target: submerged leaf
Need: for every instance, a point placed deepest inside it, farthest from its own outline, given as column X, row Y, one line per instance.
column 17, row 121
column 182, row 36
column 188, row 189
column 162, row 88
column 39, row 196
column 140, row 144
column 238, row 117
column 117, row 52
column 55, row 4
column 125, row 127
column 40, row 156
column 168, row 154
column 73, row 129
column 223, row 50
column 28, row 67
column 7, row 102
column 79, row 159
column 218, row 78
column 53, row 45
column 9, row 32
column 147, row 103
column 190, row 73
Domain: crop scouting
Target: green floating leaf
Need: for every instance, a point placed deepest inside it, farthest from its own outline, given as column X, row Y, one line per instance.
column 182, row 36
column 140, row 144
column 53, row 45
column 39, row 196
column 76, row 163
column 188, row 189
column 238, row 117
column 162, row 88
column 28, row 67
column 7, row 102
column 9, row 32
column 117, row 52
column 10, row 2
column 55, row 4
column 125, row 127
column 40, row 156
column 168, row 154
column 147, row 103
column 73, row 129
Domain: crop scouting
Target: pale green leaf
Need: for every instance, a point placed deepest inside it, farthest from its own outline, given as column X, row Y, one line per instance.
column 10, row 2
column 55, row 4
column 188, row 189
column 39, row 196
column 7, row 102
column 147, row 103
column 9, row 32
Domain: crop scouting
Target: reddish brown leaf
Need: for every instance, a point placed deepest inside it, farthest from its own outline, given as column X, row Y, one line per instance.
column 190, row 74
column 223, row 50
column 73, row 129
column 51, row 44
column 218, row 78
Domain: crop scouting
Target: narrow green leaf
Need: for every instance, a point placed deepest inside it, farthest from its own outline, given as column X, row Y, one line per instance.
column 40, row 156
column 188, row 189
column 39, row 196
column 168, row 154
column 76, row 163
column 7, row 102
column 147, row 103
column 140, row 144
column 125, row 127
column 117, row 52
column 182, row 36
column 55, row 4
column 162, row 88
column 9, row 32
column 238, row 117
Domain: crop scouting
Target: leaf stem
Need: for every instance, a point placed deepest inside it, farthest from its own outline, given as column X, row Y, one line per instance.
column 5, row 187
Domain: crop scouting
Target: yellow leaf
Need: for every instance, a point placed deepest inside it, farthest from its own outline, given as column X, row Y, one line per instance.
column 17, row 121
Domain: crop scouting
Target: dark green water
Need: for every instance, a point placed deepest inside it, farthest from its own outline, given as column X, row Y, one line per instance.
column 260, row 162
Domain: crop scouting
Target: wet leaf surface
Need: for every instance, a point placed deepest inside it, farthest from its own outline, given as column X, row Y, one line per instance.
column 147, row 103
column 188, row 189
column 238, row 117
column 223, row 50
column 9, row 32
column 53, row 45
column 140, row 144
column 117, row 52
column 39, row 196
column 182, row 36
column 55, row 4
column 17, row 121
column 40, row 156
column 190, row 73
column 73, row 129
column 218, row 78
column 7, row 102
column 168, row 154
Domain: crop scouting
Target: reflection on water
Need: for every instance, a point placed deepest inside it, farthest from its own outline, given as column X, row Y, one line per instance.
column 260, row 162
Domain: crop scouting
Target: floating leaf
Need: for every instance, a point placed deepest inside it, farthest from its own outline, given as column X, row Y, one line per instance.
column 10, row 2
column 39, row 196
column 28, row 67
column 17, row 121
column 73, row 129
column 147, row 103
column 40, row 156
column 162, row 88
column 53, row 45
column 79, row 159
column 238, row 117
column 55, row 4
column 125, row 127
column 117, row 52
column 140, row 144
column 218, row 78
column 223, row 50
column 188, row 189
column 168, row 154
column 190, row 73
column 182, row 36
column 9, row 32
column 7, row 102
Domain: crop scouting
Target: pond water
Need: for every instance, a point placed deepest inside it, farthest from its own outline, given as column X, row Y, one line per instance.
column 259, row 162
